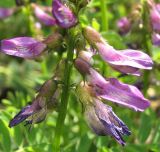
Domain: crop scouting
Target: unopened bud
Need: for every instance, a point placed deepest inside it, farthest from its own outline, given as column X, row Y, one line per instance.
column 82, row 66
column 86, row 56
column 92, row 35
column 53, row 40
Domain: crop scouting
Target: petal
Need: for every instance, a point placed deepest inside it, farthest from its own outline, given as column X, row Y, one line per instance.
column 126, row 61
column 155, row 18
column 63, row 14
column 21, row 116
column 25, row 47
column 6, row 12
column 156, row 39
column 113, row 125
column 115, row 91
column 45, row 18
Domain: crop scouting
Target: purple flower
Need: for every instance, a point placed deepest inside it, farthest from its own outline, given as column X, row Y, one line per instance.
column 45, row 18
column 24, row 47
column 111, row 89
column 45, row 101
column 126, row 61
column 100, row 117
column 6, row 12
column 103, row 121
column 64, row 16
column 155, row 17
column 156, row 39
column 123, row 25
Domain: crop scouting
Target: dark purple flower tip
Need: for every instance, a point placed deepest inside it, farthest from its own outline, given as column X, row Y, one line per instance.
column 103, row 121
column 21, row 116
column 24, row 47
column 156, row 39
column 6, row 12
column 123, row 25
column 126, row 61
column 45, row 18
column 115, row 91
column 64, row 16
column 155, row 17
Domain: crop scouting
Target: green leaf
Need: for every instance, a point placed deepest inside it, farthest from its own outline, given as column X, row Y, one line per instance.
column 5, row 137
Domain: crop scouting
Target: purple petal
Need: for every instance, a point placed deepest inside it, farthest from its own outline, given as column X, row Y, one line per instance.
column 156, row 39
column 25, row 47
column 63, row 14
column 45, row 18
column 126, row 61
column 155, row 18
column 6, row 12
column 115, row 91
column 113, row 125
column 21, row 116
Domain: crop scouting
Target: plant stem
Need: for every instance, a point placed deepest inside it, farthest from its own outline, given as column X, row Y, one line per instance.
column 104, row 20
column 146, row 41
column 65, row 94
column 104, row 16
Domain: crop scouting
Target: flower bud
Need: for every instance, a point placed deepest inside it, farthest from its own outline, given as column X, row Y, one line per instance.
column 92, row 35
column 123, row 25
column 63, row 14
column 82, row 66
column 53, row 40
column 86, row 56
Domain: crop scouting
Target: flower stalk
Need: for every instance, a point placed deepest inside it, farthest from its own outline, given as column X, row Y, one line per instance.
column 146, row 41
column 104, row 15
column 104, row 20
column 65, row 93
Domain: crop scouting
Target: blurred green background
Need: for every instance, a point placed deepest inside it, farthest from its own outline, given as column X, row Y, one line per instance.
column 20, row 79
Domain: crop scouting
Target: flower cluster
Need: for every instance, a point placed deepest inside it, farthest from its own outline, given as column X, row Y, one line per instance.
column 94, row 88
column 126, row 24
column 99, row 116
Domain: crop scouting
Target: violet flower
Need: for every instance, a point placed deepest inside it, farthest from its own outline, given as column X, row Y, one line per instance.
column 100, row 117
column 111, row 89
column 156, row 39
column 126, row 61
column 45, row 101
column 63, row 14
column 24, row 47
column 155, row 17
column 45, row 18
column 123, row 25
column 6, row 12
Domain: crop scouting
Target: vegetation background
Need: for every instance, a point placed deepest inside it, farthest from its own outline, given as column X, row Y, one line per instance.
column 19, row 80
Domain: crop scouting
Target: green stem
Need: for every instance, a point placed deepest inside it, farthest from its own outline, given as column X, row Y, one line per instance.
column 146, row 41
column 104, row 20
column 104, row 16
column 65, row 94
